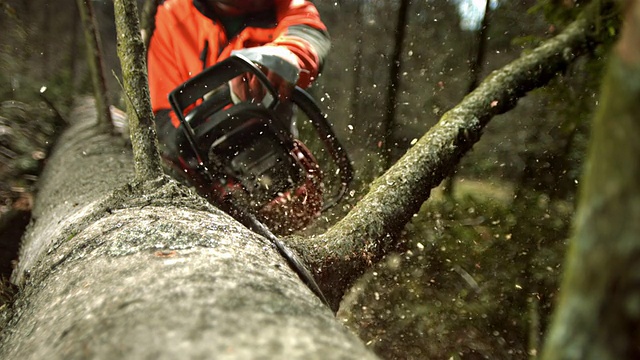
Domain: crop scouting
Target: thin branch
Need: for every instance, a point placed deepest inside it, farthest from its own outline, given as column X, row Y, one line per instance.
column 356, row 92
column 146, row 156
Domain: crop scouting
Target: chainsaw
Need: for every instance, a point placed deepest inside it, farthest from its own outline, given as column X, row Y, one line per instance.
column 243, row 157
column 244, row 152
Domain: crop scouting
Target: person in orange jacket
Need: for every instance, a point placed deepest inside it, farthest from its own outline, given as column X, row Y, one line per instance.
column 191, row 35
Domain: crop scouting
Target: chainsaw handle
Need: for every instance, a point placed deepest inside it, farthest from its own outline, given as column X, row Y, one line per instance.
column 318, row 119
column 194, row 89
column 215, row 76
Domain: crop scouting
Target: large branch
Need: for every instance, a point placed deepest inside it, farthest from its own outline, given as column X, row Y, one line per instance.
column 361, row 238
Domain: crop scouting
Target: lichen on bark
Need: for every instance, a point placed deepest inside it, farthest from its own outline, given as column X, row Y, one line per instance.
column 131, row 51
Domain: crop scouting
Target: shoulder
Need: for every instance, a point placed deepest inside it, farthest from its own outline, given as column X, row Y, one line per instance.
column 176, row 10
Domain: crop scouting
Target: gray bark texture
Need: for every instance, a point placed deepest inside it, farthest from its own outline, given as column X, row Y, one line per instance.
column 152, row 271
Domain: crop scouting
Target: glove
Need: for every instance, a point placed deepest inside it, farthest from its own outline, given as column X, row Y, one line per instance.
column 280, row 66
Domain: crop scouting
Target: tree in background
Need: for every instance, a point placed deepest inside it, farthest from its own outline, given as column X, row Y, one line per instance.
column 395, row 65
column 94, row 59
column 476, row 63
column 597, row 315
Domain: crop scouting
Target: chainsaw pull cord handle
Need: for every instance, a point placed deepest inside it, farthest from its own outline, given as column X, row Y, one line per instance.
column 318, row 119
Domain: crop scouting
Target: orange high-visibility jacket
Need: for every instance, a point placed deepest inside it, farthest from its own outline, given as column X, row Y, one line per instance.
column 189, row 37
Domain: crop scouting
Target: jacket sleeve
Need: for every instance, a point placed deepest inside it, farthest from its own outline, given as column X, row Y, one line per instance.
column 162, row 68
column 301, row 30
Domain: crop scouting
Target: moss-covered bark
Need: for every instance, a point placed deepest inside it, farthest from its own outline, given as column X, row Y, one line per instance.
column 131, row 52
column 367, row 232
column 598, row 315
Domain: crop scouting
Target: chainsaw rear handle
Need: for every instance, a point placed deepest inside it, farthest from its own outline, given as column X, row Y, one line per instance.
column 213, row 77
column 195, row 89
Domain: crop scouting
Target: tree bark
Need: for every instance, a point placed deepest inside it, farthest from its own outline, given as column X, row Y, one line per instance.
column 356, row 92
column 153, row 271
column 142, row 128
column 361, row 238
column 598, row 316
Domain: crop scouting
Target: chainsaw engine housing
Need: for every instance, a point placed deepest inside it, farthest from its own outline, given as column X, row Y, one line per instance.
column 244, row 150
column 247, row 145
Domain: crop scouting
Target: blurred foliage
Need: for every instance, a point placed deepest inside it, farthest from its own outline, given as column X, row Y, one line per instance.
column 26, row 133
column 559, row 12
column 38, row 54
column 8, row 63
column 33, row 101
column 30, row 108
column 464, row 289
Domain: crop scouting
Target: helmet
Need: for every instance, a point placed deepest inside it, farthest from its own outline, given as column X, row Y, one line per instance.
column 239, row 7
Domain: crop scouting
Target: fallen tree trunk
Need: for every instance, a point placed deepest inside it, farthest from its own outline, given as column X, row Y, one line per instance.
column 152, row 271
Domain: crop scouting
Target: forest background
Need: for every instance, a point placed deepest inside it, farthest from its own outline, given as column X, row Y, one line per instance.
column 483, row 257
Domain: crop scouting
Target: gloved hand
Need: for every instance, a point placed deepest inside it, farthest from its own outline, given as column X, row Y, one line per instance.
column 277, row 62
